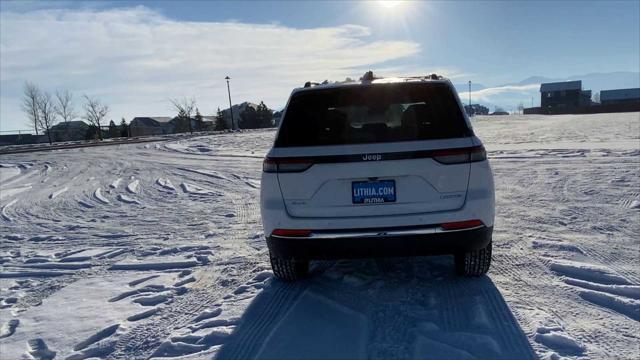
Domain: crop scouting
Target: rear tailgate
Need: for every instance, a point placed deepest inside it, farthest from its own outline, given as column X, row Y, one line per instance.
column 372, row 150
column 422, row 184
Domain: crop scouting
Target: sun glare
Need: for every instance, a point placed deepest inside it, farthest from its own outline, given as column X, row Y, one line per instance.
column 389, row 4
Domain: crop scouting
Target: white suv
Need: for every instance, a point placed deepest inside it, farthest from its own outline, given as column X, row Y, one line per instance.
column 381, row 167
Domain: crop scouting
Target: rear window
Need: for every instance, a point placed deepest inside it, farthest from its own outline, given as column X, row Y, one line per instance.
column 372, row 114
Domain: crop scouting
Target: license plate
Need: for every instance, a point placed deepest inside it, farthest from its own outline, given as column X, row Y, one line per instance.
column 373, row 192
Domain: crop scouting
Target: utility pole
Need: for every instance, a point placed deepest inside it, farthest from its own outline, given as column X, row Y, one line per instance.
column 470, row 111
column 230, row 106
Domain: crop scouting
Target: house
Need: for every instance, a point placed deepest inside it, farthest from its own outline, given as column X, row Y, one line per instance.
column 181, row 125
column 277, row 117
column 155, row 125
column 238, row 109
column 564, row 94
column 208, row 123
column 69, row 131
column 620, row 96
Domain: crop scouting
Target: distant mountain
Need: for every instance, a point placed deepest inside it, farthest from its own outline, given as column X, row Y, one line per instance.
column 527, row 91
column 465, row 87
column 535, row 80
column 608, row 81
column 592, row 81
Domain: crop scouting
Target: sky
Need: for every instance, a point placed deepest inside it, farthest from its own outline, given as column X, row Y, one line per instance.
column 136, row 55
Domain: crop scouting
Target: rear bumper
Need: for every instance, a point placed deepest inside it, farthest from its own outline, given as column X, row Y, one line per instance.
column 394, row 242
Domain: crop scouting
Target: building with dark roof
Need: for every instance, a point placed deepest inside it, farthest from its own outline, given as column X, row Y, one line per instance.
column 151, row 125
column 564, row 94
column 620, row 96
column 238, row 109
column 69, row 131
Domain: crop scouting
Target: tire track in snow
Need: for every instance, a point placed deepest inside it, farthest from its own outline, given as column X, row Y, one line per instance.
column 142, row 340
column 166, row 184
column 270, row 307
column 97, row 194
column 488, row 311
column 115, row 183
column 526, row 272
column 624, row 267
column 213, row 281
column 55, row 194
column 134, row 186
column 128, row 200
column 511, row 336
column 628, row 200
column 4, row 213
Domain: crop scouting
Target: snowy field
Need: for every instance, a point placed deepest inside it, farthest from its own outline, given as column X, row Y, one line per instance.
column 155, row 250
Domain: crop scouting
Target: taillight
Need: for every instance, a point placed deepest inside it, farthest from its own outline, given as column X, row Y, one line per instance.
column 291, row 232
column 274, row 165
column 461, row 155
column 459, row 225
column 269, row 165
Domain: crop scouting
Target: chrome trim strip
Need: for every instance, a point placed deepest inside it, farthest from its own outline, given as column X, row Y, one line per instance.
column 337, row 234
column 366, row 234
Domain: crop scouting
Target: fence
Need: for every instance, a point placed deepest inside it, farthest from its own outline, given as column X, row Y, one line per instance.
column 593, row 109
column 81, row 133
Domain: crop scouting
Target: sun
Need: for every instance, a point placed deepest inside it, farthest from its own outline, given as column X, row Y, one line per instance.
column 389, row 4
column 386, row 15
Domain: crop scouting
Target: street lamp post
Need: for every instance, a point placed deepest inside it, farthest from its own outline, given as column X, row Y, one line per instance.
column 230, row 106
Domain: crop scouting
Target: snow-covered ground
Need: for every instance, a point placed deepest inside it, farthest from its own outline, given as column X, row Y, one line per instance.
column 155, row 250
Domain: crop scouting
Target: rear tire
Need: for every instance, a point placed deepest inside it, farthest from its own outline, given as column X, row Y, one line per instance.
column 289, row 269
column 473, row 263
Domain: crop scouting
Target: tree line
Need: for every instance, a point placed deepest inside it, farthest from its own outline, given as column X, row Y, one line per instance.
column 250, row 118
column 45, row 110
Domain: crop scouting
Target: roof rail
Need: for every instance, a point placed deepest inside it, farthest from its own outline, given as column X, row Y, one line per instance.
column 369, row 77
column 426, row 77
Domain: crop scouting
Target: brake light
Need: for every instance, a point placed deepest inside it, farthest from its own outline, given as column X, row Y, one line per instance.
column 461, row 155
column 459, row 225
column 291, row 232
column 274, row 165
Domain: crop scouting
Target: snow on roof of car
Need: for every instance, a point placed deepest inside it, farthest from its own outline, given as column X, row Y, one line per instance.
column 375, row 80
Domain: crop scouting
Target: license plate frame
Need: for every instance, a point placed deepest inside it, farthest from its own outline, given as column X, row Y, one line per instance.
column 373, row 192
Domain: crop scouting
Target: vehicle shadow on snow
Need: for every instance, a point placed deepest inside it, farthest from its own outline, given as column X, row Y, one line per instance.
column 379, row 309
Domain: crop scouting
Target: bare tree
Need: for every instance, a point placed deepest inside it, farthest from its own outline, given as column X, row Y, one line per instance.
column 521, row 108
column 30, row 96
column 47, row 113
column 184, row 107
column 65, row 106
column 95, row 112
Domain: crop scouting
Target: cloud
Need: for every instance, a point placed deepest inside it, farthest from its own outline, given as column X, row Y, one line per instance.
column 505, row 95
column 136, row 58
